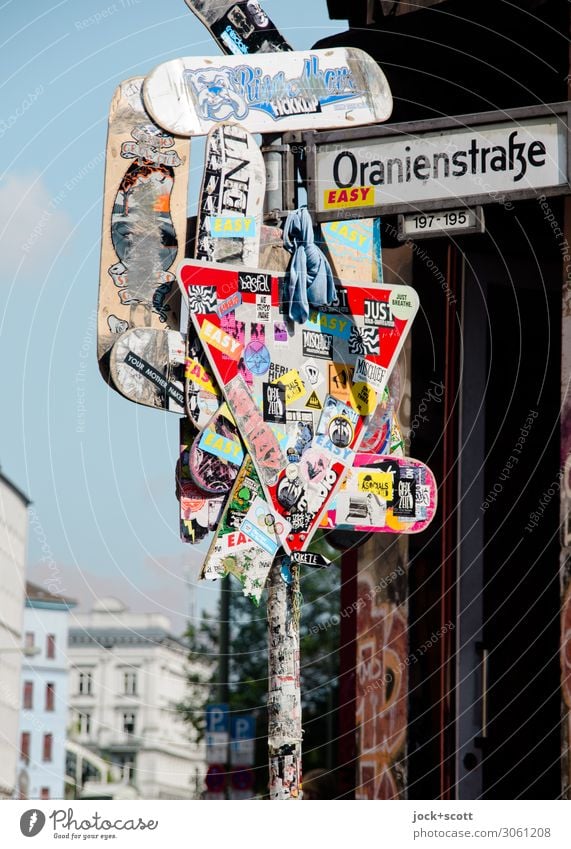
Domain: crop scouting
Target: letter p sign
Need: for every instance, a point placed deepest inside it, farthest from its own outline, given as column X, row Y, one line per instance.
column 217, row 719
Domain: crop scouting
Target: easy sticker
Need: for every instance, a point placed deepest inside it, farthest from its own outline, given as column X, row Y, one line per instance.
column 196, row 372
column 232, row 227
column 343, row 198
column 221, row 340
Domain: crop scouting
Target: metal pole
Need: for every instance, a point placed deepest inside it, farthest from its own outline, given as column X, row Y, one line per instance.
column 284, row 694
column 224, row 662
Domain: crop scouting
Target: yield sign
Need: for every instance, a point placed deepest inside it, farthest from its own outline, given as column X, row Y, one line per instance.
column 264, row 364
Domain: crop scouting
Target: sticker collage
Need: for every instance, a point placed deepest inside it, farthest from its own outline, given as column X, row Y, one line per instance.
column 286, row 428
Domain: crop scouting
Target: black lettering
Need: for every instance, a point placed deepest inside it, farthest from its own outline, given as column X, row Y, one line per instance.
column 437, row 158
column 377, row 176
column 499, row 161
column 536, row 148
column 460, row 167
column 337, row 165
column 473, row 154
column 390, row 163
column 421, row 162
column 516, row 150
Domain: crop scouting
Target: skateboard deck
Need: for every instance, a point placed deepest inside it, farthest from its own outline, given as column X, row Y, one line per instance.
column 317, row 89
column 151, row 367
column 199, row 513
column 230, row 215
column 148, row 365
column 301, row 424
column 229, row 226
column 246, row 539
column 386, row 494
column 144, row 222
column 239, row 28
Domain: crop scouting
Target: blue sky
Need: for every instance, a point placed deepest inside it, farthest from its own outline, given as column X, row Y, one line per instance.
column 99, row 470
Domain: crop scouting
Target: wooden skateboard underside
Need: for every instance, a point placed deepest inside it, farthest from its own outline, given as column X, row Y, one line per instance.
column 144, row 222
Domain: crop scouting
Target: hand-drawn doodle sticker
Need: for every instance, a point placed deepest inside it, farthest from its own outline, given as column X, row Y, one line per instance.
column 257, row 358
column 281, row 336
column 313, row 466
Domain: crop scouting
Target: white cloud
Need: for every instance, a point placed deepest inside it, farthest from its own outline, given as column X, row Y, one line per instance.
column 32, row 225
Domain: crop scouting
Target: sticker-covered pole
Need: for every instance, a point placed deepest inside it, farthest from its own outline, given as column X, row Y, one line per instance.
column 284, row 694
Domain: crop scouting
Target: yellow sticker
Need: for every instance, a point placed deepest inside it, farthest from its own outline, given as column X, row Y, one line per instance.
column 218, row 338
column 198, row 374
column 313, row 402
column 224, row 410
column 377, row 483
column 343, row 198
column 340, row 377
column 294, row 385
column 363, row 398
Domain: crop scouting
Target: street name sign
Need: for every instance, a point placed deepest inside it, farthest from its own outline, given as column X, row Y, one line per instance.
column 441, row 164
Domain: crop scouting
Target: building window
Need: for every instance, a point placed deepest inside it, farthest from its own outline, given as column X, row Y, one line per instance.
column 51, row 646
column 50, row 696
column 25, row 746
column 45, row 793
column 47, row 747
column 130, row 683
column 29, row 640
column 129, row 723
column 126, row 764
column 84, row 722
column 28, row 695
column 85, row 684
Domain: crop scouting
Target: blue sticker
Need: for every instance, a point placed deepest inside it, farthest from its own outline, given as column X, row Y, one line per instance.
column 221, row 446
column 285, row 571
column 257, row 358
column 259, row 537
column 232, row 227
column 324, row 322
column 229, row 304
column 351, row 234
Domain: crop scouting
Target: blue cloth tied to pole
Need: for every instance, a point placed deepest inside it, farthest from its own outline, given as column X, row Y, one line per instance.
column 309, row 280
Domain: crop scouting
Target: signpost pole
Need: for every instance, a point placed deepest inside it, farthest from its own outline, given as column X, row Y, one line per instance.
column 284, row 694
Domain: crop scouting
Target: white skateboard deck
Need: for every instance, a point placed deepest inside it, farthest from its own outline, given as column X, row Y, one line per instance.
column 267, row 93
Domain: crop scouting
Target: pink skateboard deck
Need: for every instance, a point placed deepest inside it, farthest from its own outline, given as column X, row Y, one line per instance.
column 384, row 494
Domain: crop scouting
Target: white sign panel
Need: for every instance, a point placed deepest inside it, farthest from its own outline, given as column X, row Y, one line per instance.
column 492, row 159
column 217, row 747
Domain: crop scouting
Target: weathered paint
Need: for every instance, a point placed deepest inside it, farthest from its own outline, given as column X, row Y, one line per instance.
column 145, row 194
column 284, row 694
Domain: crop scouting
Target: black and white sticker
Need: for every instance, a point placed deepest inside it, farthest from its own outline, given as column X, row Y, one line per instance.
column 317, row 345
column 378, row 314
column 255, row 283
column 364, row 340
